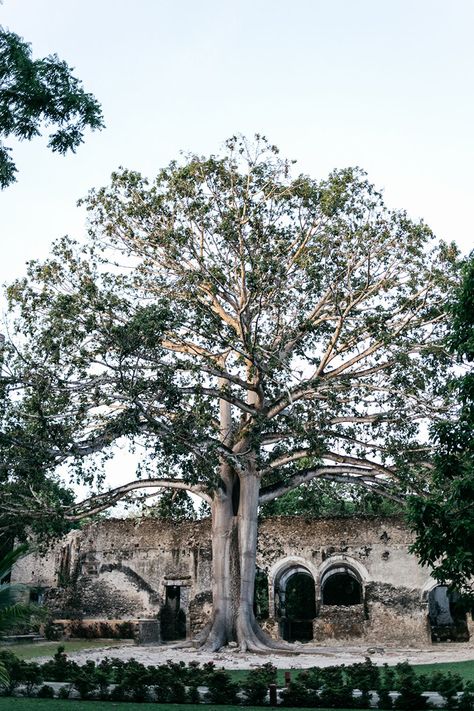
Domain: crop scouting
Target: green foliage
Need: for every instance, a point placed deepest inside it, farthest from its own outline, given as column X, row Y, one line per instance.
column 174, row 505
column 363, row 676
column 447, row 685
column 14, row 612
column 323, row 499
column 409, row 688
column 85, row 680
column 255, row 686
column 297, row 694
column 221, row 689
column 40, row 92
column 327, row 687
column 46, row 692
column 466, row 700
column 443, row 518
column 327, row 306
column 60, row 668
column 239, row 324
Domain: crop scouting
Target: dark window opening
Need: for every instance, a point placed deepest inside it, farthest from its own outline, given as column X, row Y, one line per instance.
column 341, row 587
column 172, row 617
column 447, row 616
column 36, row 596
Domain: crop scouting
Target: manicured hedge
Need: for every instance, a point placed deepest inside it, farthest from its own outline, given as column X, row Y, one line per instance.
column 342, row 686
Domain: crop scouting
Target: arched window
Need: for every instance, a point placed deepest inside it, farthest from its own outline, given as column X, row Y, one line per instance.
column 295, row 603
column 341, row 585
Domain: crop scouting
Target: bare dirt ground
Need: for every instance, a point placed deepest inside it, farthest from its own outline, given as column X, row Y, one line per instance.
column 230, row 658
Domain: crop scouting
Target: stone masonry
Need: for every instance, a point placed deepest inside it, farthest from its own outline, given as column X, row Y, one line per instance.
column 367, row 587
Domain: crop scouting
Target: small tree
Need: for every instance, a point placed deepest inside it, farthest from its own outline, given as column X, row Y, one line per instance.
column 251, row 331
column 34, row 93
column 443, row 519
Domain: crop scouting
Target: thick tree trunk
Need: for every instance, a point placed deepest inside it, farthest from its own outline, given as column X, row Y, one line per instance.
column 223, row 536
column 234, row 547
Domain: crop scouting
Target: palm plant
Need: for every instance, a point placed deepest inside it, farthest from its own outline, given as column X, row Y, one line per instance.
column 12, row 609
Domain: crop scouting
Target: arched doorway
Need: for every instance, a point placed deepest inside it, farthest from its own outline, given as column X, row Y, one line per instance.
column 341, row 585
column 447, row 616
column 295, row 602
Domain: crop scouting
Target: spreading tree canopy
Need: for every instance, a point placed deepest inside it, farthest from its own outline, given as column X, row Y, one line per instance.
column 249, row 331
column 443, row 518
column 39, row 92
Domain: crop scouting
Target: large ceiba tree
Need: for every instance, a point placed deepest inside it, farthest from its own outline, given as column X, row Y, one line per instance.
column 249, row 331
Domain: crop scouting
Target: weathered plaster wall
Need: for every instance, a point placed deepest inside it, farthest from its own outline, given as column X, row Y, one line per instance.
column 120, row 569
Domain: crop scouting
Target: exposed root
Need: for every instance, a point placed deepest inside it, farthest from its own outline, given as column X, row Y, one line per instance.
column 251, row 638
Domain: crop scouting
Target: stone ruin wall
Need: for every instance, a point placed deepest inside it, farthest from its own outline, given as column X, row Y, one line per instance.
column 119, row 569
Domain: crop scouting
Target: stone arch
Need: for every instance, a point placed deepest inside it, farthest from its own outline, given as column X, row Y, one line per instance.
column 293, row 587
column 430, row 584
column 342, row 581
column 447, row 615
column 279, row 568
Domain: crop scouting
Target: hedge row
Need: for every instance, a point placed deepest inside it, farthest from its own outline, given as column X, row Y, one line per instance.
column 329, row 687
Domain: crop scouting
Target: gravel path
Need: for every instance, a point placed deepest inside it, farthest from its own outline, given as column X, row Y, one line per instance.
column 324, row 656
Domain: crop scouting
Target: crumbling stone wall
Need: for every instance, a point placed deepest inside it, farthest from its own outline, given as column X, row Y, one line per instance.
column 120, row 569
column 339, row 623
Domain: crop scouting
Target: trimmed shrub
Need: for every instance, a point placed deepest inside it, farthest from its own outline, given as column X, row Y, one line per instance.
column 364, row 676
column 297, row 694
column 85, row 681
column 466, row 700
column 64, row 692
column 45, row 692
column 385, row 700
column 410, row 689
column 221, row 689
column 193, row 695
column 337, row 697
column 255, row 686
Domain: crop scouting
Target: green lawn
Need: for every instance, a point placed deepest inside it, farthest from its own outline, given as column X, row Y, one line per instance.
column 47, row 649
column 9, row 704
column 465, row 669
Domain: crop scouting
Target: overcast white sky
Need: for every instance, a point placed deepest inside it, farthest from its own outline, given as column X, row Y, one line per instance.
column 383, row 84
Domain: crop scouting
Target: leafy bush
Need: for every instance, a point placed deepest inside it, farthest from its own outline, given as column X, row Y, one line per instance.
column 30, row 675
column 364, row 676
column 409, row 686
column 193, row 695
column 221, row 689
column 85, row 680
column 256, row 684
column 466, row 700
column 60, row 668
column 45, row 692
column 171, row 692
column 52, row 632
column 311, row 678
column 64, row 692
column 333, row 676
column 297, row 694
column 135, row 681
column 385, row 700
column 446, row 684
column 337, row 697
